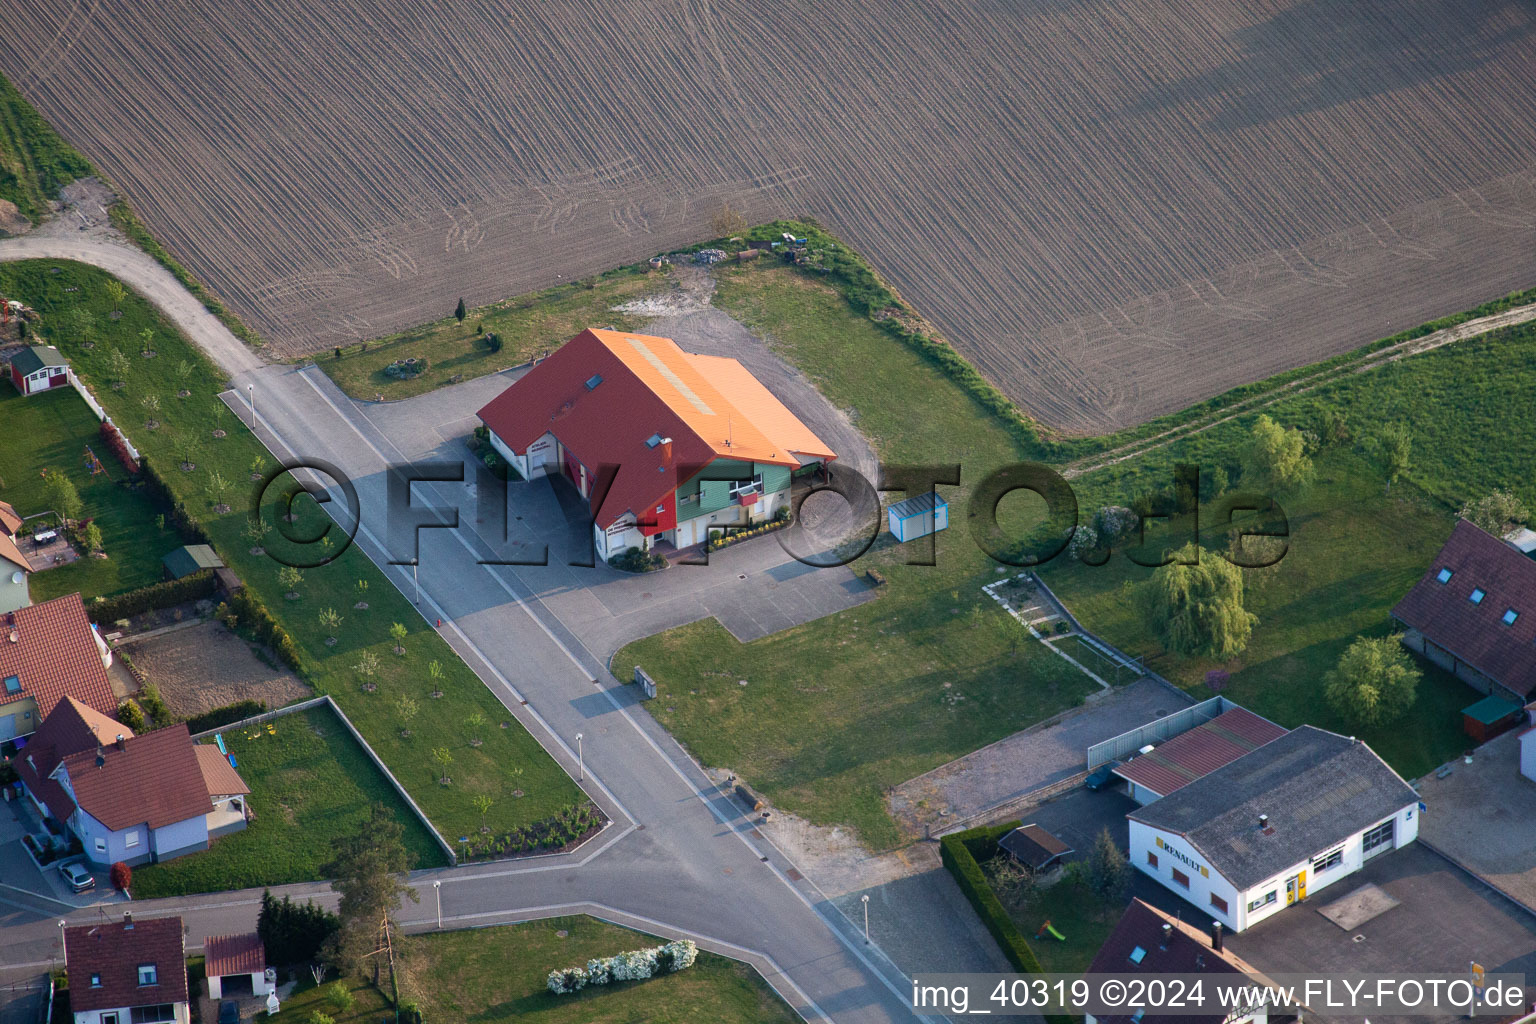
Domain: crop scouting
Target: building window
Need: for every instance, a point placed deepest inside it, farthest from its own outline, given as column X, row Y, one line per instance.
column 152, row 1014
column 1477, row 595
column 132, row 839
column 101, row 846
column 1510, row 615
column 1265, row 900
column 653, row 441
column 1151, row 859
column 1328, row 861
column 95, row 980
column 1381, row 835
column 148, row 974
column 1219, row 903
column 1180, row 878
column 1445, row 576
column 594, row 380
column 12, row 684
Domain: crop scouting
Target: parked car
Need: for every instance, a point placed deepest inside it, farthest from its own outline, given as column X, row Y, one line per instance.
column 77, row 875
column 1102, row 776
column 229, row 1012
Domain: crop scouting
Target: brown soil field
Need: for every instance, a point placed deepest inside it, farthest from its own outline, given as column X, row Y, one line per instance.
column 1114, row 208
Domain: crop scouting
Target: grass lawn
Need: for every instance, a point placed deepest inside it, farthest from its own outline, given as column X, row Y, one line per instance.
column 838, row 710
column 34, row 162
column 310, row 785
column 1083, row 919
column 529, row 326
column 495, row 974
column 51, row 431
column 509, row 760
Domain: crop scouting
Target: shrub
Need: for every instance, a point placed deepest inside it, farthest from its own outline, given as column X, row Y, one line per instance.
column 199, row 585
column 339, row 996
column 245, row 604
column 130, row 714
column 293, row 933
column 493, row 341
column 121, row 876
column 631, row 965
column 154, row 707
column 113, row 439
column 316, row 1017
column 220, row 717
column 635, row 560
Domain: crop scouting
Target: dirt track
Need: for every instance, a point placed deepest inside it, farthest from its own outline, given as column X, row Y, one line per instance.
column 1113, row 208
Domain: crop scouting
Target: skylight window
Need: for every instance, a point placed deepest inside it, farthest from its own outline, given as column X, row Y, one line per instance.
column 1445, row 576
column 1137, row 955
column 653, row 441
column 12, row 684
column 594, row 380
column 1510, row 615
column 1477, row 595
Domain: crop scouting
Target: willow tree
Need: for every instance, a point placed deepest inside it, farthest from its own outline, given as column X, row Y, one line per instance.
column 1195, row 605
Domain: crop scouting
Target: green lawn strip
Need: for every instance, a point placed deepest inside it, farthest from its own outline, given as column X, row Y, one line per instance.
column 369, row 1005
column 529, row 326
column 51, row 431
column 495, row 974
column 310, row 785
column 1083, row 919
column 490, row 769
column 837, row 710
column 34, row 161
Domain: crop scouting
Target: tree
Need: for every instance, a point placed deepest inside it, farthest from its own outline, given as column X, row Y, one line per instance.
column 1197, row 609
column 1013, row 882
column 367, row 664
column 444, row 757
column 148, row 335
column 406, row 708
column 116, row 292
column 90, row 536
column 121, row 876
column 81, row 323
column 289, row 579
column 460, row 312
column 483, row 804
column 1105, row 869
column 117, row 366
column 1393, row 447
column 368, row 872
column 330, row 621
column 217, row 486
column 293, row 933
column 474, row 723
column 256, row 529
column 1276, row 458
column 184, row 371
column 726, row 221
column 1494, row 512
column 397, row 633
column 62, row 496
column 1374, row 681
column 339, row 996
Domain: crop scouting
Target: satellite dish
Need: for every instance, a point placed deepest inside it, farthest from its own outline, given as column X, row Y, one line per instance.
column 18, row 577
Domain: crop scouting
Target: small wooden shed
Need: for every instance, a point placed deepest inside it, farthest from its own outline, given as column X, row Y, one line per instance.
column 185, row 561
column 236, row 965
column 1033, row 847
column 1490, row 717
column 918, row 516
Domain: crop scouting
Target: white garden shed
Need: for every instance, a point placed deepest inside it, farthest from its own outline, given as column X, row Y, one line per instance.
column 918, row 516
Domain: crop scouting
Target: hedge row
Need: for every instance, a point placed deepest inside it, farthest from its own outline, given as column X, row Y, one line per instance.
column 961, row 853
column 247, row 608
column 157, row 595
column 220, row 717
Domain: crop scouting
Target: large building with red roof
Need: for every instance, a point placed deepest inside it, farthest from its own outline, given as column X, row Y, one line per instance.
column 1473, row 613
column 50, row 651
column 664, row 445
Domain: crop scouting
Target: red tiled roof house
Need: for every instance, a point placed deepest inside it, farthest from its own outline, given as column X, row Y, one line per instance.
column 1473, row 613
column 663, row 444
column 129, row 798
column 13, row 564
column 127, row 972
column 47, row 652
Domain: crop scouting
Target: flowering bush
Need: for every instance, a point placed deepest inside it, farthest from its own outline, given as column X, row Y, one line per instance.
column 632, row 965
column 1109, row 525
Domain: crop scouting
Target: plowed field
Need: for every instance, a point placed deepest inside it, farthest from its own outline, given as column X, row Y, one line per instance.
column 1113, row 207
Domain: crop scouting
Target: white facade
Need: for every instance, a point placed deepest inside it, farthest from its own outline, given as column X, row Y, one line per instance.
column 262, row 982
column 1175, row 864
column 1528, row 750
column 123, row 1015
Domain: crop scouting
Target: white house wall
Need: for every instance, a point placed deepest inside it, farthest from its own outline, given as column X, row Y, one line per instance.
column 1176, row 852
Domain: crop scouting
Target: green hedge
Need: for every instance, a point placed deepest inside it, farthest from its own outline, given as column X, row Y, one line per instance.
column 249, row 610
column 962, row 854
column 220, row 717
column 157, row 595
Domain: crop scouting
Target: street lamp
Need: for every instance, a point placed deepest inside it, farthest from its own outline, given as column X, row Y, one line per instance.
column 251, row 390
column 64, row 940
column 581, row 764
column 865, row 899
column 438, row 887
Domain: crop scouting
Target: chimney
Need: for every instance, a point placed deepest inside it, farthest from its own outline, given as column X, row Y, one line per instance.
column 1167, row 934
column 1263, row 821
column 666, row 451
column 1216, row 936
column 127, row 920
column 121, row 743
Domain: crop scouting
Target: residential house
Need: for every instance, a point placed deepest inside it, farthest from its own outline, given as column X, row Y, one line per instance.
column 1266, row 829
column 663, row 445
column 1149, row 942
column 50, row 651
column 127, row 972
column 14, row 567
column 130, row 798
column 37, row 368
column 1473, row 613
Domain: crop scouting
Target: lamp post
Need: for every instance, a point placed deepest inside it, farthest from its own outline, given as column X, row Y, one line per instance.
column 581, row 764
column 64, row 940
column 251, row 390
column 865, row 899
column 438, row 888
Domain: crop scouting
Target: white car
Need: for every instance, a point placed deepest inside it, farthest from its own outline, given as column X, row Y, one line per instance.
column 78, row 877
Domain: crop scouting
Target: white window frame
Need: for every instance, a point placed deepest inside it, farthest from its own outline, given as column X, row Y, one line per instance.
column 1328, row 861
column 101, row 845
column 152, row 971
column 1389, row 837
column 131, row 839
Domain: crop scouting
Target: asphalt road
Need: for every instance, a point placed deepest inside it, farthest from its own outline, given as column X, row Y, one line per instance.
column 680, row 859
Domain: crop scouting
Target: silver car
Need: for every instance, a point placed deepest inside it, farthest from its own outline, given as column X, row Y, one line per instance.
column 78, row 877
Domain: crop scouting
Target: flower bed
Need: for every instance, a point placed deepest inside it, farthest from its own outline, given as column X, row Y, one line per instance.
column 633, row 965
column 569, row 826
column 718, row 538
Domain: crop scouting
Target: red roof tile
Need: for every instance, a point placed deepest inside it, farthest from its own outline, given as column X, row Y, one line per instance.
column 219, row 776
column 1476, row 633
column 71, row 728
column 1195, row 754
column 10, row 522
column 54, row 654
column 115, row 951
column 648, row 386
column 234, row 954
column 152, row 779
